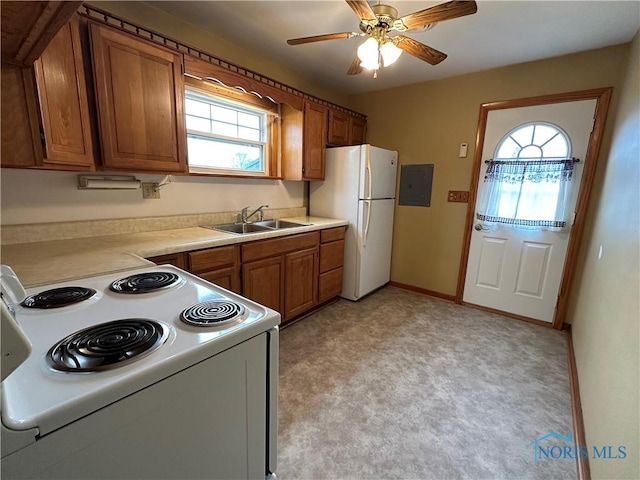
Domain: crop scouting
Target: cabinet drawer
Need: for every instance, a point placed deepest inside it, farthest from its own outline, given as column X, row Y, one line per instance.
column 176, row 259
column 213, row 258
column 331, row 255
column 332, row 234
column 279, row 246
column 330, row 285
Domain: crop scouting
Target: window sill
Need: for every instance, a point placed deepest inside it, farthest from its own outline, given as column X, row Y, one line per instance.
column 231, row 175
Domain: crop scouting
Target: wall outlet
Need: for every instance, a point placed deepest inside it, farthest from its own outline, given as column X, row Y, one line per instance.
column 458, row 196
column 150, row 190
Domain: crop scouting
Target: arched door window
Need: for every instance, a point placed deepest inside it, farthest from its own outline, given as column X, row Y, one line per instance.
column 527, row 182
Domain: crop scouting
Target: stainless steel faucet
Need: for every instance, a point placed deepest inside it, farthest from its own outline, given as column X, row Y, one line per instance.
column 244, row 216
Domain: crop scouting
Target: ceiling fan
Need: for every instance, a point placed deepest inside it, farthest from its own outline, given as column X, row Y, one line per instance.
column 378, row 21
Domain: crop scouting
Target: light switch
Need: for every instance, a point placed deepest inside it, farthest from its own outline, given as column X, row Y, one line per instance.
column 463, row 150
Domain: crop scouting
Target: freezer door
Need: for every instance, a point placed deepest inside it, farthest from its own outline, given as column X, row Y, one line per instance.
column 373, row 251
column 378, row 168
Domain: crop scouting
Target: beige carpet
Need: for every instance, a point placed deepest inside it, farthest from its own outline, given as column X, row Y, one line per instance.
column 402, row 386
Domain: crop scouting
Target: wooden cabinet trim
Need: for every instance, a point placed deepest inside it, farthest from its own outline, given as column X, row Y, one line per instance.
column 28, row 27
column 279, row 246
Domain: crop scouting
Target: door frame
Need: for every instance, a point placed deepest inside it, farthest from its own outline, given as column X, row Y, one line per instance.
column 603, row 98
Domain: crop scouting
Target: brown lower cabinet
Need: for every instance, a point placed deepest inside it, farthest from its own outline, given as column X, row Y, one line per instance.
column 301, row 282
column 282, row 272
column 219, row 265
column 177, row 259
column 263, row 282
column 331, row 262
column 291, row 274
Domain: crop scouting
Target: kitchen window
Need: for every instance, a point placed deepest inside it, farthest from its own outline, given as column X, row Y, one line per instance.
column 227, row 136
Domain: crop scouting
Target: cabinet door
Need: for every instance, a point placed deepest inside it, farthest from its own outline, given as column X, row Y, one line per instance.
column 314, row 141
column 228, row 278
column 64, row 102
column 301, row 285
column 263, row 282
column 338, row 133
column 20, row 133
column 140, row 93
column 358, row 131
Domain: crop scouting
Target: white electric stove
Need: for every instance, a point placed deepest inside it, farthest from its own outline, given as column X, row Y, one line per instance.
column 149, row 362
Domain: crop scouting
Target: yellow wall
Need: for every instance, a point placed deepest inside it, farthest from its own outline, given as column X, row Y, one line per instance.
column 162, row 22
column 426, row 122
column 606, row 308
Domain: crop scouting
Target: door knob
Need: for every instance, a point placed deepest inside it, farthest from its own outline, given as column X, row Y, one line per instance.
column 478, row 227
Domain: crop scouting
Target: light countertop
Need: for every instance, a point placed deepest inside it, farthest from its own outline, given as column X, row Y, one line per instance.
column 45, row 262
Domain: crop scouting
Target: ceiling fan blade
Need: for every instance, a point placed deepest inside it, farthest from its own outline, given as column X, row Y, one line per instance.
column 419, row 50
column 362, row 9
column 320, row 38
column 355, row 67
column 439, row 13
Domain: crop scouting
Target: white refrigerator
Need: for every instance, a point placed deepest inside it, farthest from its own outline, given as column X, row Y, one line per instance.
column 360, row 186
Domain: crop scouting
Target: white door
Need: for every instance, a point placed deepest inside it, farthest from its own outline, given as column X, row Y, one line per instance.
column 374, row 238
column 517, row 268
column 378, row 169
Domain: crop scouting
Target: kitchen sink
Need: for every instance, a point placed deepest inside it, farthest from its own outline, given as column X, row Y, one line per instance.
column 255, row 227
column 240, row 228
column 278, row 224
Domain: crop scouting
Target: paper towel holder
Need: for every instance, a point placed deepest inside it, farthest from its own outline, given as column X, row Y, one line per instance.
column 108, row 182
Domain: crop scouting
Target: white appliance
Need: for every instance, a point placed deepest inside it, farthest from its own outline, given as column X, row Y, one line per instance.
column 360, row 186
column 184, row 381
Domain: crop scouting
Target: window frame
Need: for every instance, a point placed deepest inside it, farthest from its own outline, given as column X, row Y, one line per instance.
column 271, row 143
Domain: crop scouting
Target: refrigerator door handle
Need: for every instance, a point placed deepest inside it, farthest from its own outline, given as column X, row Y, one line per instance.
column 370, row 176
column 366, row 225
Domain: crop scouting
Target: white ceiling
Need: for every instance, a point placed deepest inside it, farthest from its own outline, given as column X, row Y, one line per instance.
column 500, row 33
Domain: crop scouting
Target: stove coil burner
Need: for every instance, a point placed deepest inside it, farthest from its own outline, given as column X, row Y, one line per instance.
column 213, row 313
column 58, row 297
column 145, row 282
column 107, row 345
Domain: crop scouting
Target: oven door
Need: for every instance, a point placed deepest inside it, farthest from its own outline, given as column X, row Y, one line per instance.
column 211, row 420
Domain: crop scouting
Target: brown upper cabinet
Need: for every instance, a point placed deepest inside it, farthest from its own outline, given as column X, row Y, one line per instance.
column 45, row 109
column 338, row 131
column 140, row 95
column 345, row 129
column 357, row 130
column 64, row 106
column 28, row 27
column 98, row 97
column 304, row 137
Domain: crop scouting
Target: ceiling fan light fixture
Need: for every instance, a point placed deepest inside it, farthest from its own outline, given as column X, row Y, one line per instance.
column 368, row 54
column 390, row 53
